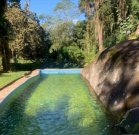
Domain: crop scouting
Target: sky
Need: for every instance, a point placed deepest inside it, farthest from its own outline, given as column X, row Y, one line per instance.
column 46, row 6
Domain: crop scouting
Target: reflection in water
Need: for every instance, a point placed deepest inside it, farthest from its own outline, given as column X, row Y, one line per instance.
column 59, row 105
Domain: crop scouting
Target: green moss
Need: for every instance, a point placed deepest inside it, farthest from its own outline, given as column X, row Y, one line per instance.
column 59, row 105
column 112, row 51
column 136, row 128
column 115, row 56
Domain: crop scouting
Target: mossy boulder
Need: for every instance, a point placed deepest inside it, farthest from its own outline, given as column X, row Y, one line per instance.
column 114, row 76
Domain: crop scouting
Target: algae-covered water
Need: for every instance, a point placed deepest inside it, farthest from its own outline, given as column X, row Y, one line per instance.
column 55, row 105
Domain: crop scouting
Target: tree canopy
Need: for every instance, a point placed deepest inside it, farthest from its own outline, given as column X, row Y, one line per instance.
column 58, row 37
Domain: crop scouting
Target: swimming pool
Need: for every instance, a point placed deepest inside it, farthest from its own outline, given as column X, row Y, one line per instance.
column 56, row 104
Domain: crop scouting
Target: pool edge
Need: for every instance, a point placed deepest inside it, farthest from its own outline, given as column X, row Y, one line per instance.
column 7, row 93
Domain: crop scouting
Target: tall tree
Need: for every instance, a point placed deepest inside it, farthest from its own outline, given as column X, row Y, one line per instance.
column 66, row 10
column 90, row 47
column 11, row 2
column 61, row 25
column 99, row 25
column 113, row 21
column 28, row 37
column 4, row 48
column 91, row 9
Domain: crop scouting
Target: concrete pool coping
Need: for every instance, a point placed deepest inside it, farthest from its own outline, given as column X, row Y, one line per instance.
column 60, row 71
column 7, row 91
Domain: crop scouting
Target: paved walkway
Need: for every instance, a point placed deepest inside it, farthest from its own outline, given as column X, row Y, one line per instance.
column 6, row 91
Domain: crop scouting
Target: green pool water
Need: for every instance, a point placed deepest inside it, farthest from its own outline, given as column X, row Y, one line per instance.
column 55, row 105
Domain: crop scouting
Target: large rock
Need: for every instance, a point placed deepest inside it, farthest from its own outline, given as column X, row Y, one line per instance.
column 130, row 121
column 114, row 76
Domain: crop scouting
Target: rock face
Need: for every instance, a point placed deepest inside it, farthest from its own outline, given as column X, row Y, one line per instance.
column 114, row 76
column 130, row 121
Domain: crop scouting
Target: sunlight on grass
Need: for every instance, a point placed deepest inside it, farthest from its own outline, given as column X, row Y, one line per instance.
column 6, row 78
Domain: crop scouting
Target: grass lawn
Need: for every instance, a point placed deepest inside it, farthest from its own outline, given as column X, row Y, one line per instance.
column 6, row 78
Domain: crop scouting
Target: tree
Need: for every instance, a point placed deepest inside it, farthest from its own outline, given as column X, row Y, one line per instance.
column 90, row 42
column 74, row 51
column 91, row 9
column 12, row 2
column 28, row 39
column 111, row 21
column 62, row 39
column 66, row 10
column 49, row 21
column 60, row 26
column 4, row 48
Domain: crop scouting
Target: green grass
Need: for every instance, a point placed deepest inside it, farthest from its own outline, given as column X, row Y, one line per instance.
column 6, row 78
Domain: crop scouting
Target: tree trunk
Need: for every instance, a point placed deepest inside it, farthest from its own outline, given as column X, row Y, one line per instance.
column 4, row 48
column 3, row 6
column 100, row 36
column 98, row 26
column 5, row 56
column 88, row 36
column 88, row 12
column 122, row 6
column 99, row 33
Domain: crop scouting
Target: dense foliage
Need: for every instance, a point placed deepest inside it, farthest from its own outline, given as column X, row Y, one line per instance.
column 4, row 48
column 26, row 36
column 67, row 34
column 110, row 21
column 22, row 37
column 62, row 38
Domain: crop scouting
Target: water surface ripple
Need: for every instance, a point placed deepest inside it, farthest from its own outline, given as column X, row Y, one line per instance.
column 56, row 105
